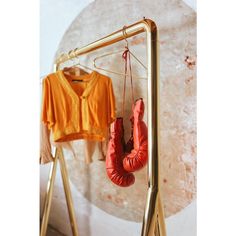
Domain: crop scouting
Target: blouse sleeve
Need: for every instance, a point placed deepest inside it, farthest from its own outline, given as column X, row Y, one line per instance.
column 47, row 114
column 111, row 103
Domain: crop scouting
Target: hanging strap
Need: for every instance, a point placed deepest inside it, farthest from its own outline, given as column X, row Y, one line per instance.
column 126, row 57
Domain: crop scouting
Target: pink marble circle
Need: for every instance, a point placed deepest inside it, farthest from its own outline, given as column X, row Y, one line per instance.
column 177, row 27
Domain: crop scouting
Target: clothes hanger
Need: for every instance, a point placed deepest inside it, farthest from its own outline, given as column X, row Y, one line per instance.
column 117, row 52
column 78, row 64
column 75, row 69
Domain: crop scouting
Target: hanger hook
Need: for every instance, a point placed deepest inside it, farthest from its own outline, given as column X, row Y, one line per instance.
column 70, row 54
column 75, row 52
column 125, row 36
column 61, row 57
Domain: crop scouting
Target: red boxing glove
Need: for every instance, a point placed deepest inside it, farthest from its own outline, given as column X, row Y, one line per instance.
column 115, row 154
column 130, row 144
column 138, row 157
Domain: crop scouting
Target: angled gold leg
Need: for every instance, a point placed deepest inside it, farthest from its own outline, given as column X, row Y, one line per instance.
column 48, row 199
column 154, row 216
column 69, row 201
column 161, row 217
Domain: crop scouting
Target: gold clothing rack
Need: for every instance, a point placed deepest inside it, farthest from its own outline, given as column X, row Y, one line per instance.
column 153, row 219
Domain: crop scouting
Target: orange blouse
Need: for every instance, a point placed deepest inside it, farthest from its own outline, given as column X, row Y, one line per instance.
column 81, row 109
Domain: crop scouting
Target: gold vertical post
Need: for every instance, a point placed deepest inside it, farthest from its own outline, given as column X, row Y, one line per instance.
column 153, row 220
column 48, row 198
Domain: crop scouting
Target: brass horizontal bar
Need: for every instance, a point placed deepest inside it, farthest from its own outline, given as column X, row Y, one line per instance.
column 131, row 30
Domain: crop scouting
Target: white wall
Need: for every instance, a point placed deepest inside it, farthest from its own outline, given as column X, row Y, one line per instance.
column 55, row 17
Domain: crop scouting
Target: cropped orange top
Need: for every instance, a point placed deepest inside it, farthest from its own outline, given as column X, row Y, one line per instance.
column 81, row 109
